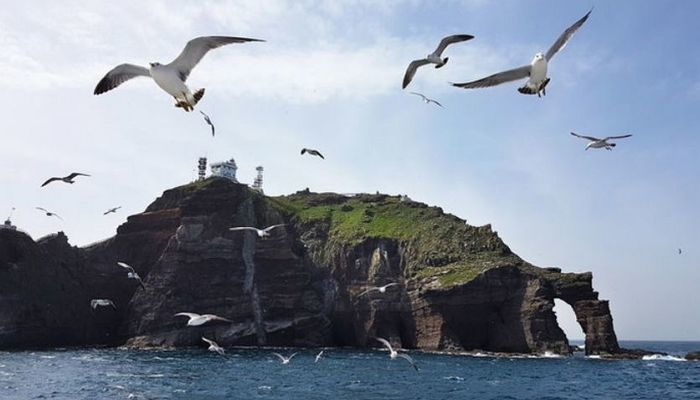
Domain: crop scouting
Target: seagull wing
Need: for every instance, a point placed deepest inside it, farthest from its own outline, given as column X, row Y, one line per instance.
column 118, row 75
column 57, row 216
column 292, row 356
column 125, row 265
column 197, row 48
column 450, row 40
column 591, row 138
column 111, row 303
column 74, row 174
column 367, row 291
column 418, row 94
column 390, row 284
column 409, row 359
column 216, row 317
column 318, row 356
column 49, row 181
column 564, row 38
column 318, row 153
column 186, row 314
column 617, row 137
column 243, row 228
column 269, row 228
column 385, row 343
column 211, row 342
column 42, row 209
column 436, row 102
column 280, row 356
column 411, row 71
column 496, row 79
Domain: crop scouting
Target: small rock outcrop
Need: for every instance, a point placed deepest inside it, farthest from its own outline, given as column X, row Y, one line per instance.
column 460, row 287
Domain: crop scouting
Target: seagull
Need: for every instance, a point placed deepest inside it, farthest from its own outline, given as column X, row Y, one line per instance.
column 433, row 58
column 171, row 77
column 318, row 356
column 285, row 360
column 393, row 353
column 536, row 71
column 49, row 213
column 131, row 274
column 111, row 210
column 66, row 179
column 597, row 143
column 208, row 121
column 213, row 346
column 380, row 289
column 426, row 99
column 197, row 320
column 680, row 251
column 262, row 233
column 94, row 303
column 312, row 152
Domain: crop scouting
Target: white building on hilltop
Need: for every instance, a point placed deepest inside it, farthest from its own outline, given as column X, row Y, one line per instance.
column 226, row 169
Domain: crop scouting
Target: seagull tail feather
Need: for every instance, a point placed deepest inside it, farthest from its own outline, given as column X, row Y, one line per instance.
column 198, row 95
column 444, row 61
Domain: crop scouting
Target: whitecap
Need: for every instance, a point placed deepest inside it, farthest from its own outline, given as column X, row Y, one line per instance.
column 549, row 354
column 264, row 387
column 594, row 357
column 453, row 378
column 661, row 357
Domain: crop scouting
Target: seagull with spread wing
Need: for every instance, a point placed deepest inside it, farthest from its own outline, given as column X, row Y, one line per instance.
column 285, row 360
column 312, row 152
column 536, row 72
column 94, row 303
column 49, row 213
column 433, row 58
column 197, row 320
column 171, row 77
column 393, row 354
column 380, row 289
column 318, row 356
column 262, row 233
column 131, row 273
column 426, row 99
column 596, row 143
column 111, row 210
column 208, row 121
column 66, row 179
column 213, row 346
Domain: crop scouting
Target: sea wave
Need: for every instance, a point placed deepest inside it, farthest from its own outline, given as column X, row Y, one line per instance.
column 662, row 357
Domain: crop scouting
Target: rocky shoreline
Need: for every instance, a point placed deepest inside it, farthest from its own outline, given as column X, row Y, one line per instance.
column 461, row 288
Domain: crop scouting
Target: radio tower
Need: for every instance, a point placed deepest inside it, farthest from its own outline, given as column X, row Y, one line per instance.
column 257, row 183
column 202, row 168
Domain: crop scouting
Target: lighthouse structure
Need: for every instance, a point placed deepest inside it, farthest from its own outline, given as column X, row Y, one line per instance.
column 226, row 169
column 258, row 182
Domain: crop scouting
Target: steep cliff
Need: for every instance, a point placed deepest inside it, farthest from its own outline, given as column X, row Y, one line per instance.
column 460, row 287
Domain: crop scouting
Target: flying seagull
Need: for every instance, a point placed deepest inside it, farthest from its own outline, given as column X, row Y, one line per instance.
column 285, row 360
column 434, row 57
column 262, row 233
column 49, row 213
column 426, row 99
column 66, row 179
column 197, row 320
column 536, row 71
column 318, row 356
column 597, row 143
column 94, row 303
column 111, row 210
column 380, row 289
column 680, row 251
column 312, row 152
column 208, row 121
column 213, row 346
column 171, row 77
column 393, row 353
column 131, row 273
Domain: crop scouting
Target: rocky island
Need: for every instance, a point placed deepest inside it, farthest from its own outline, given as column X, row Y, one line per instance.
column 461, row 288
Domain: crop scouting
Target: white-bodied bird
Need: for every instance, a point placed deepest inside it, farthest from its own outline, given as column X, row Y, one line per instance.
column 213, row 346
column 285, row 360
column 171, row 77
column 536, row 72
column 596, row 143
column 393, row 354
column 426, row 99
column 197, row 319
column 380, row 289
column 433, row 58
column 111, row 210
column 208, row 121
column 49, row 213
column 94, row 303
column 318, row 356
column 262, row 233
column 131, row 273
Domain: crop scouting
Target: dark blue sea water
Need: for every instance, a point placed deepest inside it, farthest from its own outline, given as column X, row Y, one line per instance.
column 342, row 374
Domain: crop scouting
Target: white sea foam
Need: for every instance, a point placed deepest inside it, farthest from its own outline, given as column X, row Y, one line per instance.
column 549, row 354
column 594, row 357
column 661, row 357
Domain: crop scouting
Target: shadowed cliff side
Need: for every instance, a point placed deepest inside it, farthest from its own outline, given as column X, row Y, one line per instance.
column 460, row 287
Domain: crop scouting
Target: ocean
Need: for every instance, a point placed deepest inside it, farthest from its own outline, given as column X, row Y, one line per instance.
column 342, row 374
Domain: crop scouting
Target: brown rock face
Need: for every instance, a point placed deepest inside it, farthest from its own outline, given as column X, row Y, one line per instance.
column 301, row 287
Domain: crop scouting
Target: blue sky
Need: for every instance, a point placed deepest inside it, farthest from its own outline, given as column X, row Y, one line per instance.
column 329, row 77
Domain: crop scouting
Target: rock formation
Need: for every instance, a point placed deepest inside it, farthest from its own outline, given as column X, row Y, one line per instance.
column 461, row 288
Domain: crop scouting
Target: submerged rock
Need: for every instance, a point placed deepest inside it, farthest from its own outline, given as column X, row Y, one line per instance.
column 461, row 287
